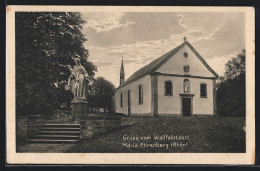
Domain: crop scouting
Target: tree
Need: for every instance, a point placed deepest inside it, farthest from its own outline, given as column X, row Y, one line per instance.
column 231, row 89
column 235, row 68
column 100, row 95
column 46, row 42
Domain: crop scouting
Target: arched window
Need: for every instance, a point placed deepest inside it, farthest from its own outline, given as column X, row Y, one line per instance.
column 186, row 86
column 168, row 88
column 140, row 94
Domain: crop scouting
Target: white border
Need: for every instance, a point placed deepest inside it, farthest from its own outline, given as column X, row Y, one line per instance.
column 130, row 158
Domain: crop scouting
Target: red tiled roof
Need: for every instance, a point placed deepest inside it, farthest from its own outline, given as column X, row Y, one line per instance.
column 154, row 65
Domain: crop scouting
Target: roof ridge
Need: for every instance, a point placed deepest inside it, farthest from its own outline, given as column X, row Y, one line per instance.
column 201, row 59
column 171, row 53
column 158, row 62
column 149, row 67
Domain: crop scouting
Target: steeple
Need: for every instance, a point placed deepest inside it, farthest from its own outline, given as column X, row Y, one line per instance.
column 122, row 73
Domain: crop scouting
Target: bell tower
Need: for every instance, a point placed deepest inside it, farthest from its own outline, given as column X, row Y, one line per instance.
column 122, row 73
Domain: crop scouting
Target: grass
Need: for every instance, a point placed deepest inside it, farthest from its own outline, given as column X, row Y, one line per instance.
column 206, row 135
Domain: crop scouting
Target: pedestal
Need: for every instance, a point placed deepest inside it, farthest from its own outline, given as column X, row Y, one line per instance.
column 79, row 108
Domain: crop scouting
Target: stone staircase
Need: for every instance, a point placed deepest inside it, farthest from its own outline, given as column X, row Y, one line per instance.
column 57, row 134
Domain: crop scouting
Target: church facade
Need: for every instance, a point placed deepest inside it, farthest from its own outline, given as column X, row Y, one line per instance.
column 178, row 83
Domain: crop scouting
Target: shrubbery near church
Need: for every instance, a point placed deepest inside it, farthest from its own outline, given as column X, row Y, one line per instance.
column 231, row 89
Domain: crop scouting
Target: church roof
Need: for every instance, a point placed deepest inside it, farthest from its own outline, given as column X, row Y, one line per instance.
column 154, row 65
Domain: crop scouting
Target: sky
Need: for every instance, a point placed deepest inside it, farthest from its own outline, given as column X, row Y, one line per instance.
column 141, row 37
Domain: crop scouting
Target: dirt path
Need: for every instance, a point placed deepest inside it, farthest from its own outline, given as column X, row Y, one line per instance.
column 44, row 148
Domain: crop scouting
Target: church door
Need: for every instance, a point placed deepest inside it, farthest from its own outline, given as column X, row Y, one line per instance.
column 129, row 102
column 186, row 106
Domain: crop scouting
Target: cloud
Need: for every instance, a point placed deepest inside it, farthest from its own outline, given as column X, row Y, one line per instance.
column 136, row 55
column 218, row 63
column 116, row 53
column 103, row 63
column 130, row 61
column 107, row 26
column 101, row 22
column 206, row 22
column 226, row 39
column 216, row 36
column 115, row 29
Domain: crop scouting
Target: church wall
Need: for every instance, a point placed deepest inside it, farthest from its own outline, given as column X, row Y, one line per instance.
column 172, row 104
column 175, row 64
column 136, row 108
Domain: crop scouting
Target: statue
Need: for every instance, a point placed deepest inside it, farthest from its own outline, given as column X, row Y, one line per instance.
column 77, row 81
column 186, row 68
column 185, row 87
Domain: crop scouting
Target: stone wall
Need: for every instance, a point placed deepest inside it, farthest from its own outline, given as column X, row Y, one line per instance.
column 92, row 125
column 27, row 126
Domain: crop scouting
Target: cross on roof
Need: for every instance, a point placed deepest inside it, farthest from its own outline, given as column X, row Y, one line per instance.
column 185, row 38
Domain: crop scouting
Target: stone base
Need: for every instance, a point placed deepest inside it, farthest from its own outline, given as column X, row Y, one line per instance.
column 79, row 108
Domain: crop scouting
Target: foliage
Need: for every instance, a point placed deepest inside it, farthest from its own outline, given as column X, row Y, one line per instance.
column 231, row 89
column 46, row 42
column 235, row 68
column 100, row 95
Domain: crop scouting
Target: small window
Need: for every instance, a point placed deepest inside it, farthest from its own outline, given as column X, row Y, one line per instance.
column 140, row 94
column 168, row 88
column 185, row 54
column 121, row 100
column 203, row 90
column 128, row 97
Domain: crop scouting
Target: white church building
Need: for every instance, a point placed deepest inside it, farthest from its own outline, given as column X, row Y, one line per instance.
column 178, row 83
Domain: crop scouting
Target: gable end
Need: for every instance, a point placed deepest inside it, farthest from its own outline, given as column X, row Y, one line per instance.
column 202, row 60
column 157, row 63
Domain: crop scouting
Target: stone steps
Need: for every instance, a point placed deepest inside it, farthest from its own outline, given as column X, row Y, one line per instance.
column 63, row 125
column 57, row 134
column 50, row 141
column 68, row 137
column 60, row 129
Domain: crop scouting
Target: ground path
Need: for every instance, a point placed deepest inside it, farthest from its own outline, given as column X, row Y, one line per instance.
column 44, row 148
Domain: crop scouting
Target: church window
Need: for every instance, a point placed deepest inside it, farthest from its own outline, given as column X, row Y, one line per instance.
column 185, row 54
column 186, row 86
column 203, row 90
column 140, row 94
column 121, row 100
column 168, row 88
column 128, row 97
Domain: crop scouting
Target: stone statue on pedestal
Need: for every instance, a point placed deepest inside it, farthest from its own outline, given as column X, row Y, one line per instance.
column 78, row 85
column 77, row 82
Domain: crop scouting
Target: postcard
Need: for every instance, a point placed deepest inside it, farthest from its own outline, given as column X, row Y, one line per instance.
column 130, row 85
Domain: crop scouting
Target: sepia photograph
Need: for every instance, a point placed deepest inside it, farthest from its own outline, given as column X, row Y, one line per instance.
column 151, row 84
